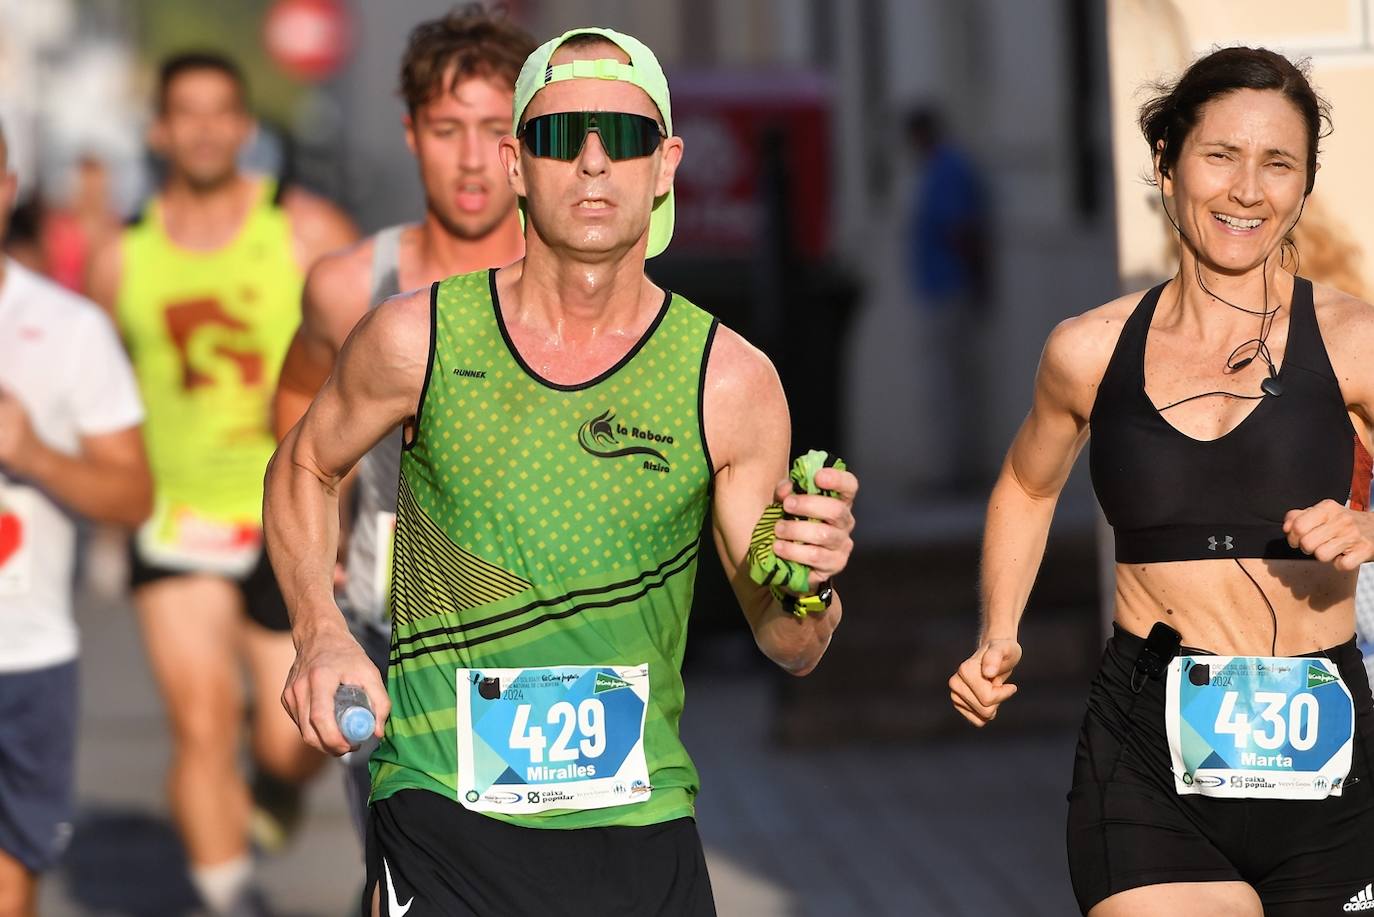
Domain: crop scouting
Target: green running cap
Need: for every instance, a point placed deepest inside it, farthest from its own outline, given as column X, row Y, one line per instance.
column 642, row 71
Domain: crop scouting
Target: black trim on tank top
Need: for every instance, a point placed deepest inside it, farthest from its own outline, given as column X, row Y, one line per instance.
column 429, row 365
column 701, row 406
column 578, row 386
column 664, row 569
column 664, row 572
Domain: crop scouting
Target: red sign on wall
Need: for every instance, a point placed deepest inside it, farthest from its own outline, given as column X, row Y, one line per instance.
column 726, row 120
column 309, row 39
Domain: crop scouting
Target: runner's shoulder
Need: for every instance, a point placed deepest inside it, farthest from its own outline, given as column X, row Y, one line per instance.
column 743, row 400
column 399, row 326
column 303, row 204
column 1341, row 314
column 318, row 224
column 737, row 368
column 1079, row 348
column 1346, row 323
column 339, row 285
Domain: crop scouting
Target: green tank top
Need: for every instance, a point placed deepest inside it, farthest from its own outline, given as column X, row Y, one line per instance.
column 207, row 332
column 545, row 525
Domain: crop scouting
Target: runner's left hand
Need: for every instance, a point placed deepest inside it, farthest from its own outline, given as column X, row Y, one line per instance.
column 1332, row 533
column 822, row 538
column 17, row 443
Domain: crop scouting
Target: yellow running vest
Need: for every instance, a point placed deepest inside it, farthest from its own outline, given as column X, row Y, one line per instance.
column 207, row 332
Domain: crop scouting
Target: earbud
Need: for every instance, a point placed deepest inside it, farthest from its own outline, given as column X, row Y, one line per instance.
column 1272, row 386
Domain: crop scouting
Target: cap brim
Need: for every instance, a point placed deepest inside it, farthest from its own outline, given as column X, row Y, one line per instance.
column 661, row 225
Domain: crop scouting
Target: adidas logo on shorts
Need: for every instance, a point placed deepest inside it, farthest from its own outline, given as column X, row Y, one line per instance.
column 1362, row 900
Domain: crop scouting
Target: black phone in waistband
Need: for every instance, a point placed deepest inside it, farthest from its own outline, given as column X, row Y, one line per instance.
column 1158, row 650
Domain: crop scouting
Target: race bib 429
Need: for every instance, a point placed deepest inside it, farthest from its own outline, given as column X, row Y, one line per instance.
column 563, row 737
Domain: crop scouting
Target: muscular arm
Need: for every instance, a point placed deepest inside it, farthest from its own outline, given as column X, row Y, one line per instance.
column 375, row 387
column 1023, row 499
column 335, row 298
column 749, row 432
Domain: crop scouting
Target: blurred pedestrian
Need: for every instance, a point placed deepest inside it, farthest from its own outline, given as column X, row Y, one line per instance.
column 81, row 224
column 458, row 80
column 206, row 289
column 947, row 266
column 70, row 445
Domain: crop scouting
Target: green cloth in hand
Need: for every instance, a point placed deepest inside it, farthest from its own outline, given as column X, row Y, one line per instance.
column 765, row 567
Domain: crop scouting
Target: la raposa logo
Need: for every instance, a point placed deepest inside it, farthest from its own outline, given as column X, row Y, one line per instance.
column 605, row 437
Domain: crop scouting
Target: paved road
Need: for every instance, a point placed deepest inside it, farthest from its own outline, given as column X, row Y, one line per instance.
column 969, row 825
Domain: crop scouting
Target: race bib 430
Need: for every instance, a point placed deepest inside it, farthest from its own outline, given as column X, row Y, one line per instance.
column 563, row 737
column 1258, row 727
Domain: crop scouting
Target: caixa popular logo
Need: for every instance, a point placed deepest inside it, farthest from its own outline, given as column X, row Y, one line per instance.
column 606, row 437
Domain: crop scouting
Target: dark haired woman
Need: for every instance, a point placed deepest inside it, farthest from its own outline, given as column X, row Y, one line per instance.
column 1224, row 763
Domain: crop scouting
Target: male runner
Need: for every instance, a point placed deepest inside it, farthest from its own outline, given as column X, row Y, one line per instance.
column 457, row 77
column 566, row 423
column 206, row 290
column 69, row 444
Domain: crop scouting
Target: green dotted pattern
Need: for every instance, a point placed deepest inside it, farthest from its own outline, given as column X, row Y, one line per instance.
column 595, row 497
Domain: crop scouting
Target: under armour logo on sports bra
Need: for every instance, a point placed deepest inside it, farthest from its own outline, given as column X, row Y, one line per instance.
column 1225, row 544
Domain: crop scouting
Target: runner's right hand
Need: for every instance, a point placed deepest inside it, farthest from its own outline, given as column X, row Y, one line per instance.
column 326, row 659
column 980, row 685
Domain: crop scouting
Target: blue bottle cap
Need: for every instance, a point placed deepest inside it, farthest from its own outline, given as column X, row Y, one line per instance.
column 356, row 724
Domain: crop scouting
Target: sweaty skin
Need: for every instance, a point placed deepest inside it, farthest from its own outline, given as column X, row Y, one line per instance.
column 1241, row 161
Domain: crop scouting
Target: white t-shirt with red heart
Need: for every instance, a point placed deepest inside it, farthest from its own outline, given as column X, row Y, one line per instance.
column 61, row 358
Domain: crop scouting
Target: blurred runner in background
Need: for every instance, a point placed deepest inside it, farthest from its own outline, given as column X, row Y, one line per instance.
column 206, row 289
column 458, row 80
column 69, row 445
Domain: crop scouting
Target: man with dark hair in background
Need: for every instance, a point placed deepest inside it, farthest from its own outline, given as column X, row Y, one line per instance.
column 206, row 288
column 69, row 444
column 457, row 79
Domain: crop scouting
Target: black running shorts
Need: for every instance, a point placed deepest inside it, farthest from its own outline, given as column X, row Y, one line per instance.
column 261, row 598
column 430, row 857
column 1128, row 827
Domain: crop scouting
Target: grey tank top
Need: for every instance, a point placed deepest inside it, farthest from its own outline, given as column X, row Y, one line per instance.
column 379, row 471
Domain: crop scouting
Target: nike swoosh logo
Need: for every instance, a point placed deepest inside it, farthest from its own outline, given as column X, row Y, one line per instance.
column 394, row 907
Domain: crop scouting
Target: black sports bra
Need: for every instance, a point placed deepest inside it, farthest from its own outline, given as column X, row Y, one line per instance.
column 1171, row 497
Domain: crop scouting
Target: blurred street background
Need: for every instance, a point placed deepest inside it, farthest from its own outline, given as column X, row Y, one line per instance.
column 834, row 148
